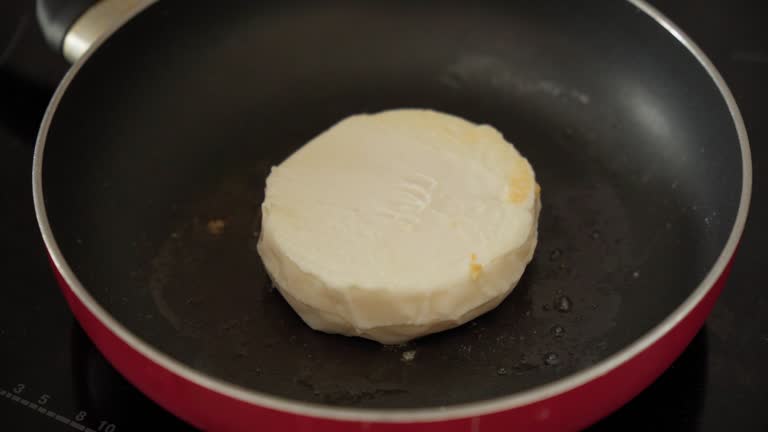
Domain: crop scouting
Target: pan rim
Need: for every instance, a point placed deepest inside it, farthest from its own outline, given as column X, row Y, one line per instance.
column 403, row 415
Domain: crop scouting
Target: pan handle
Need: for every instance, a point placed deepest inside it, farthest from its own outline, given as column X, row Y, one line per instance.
column 72, row 26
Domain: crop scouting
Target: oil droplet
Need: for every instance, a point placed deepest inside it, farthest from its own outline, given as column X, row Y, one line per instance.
column 636, row 274
column 563, row 304
column 595, row 235
column 555, row 254
column 502, row 371
column 409, row 355
column 551, row 359
column 558, row 331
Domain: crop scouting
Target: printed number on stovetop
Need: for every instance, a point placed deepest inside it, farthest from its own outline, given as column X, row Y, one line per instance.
column 40, row 402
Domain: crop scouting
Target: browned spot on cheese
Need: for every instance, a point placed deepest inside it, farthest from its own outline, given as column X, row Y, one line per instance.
column 474, row 267
column 520, row 182
column 478, row 134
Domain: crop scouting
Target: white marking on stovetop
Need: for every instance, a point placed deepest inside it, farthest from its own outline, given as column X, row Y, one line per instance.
column 45, row 412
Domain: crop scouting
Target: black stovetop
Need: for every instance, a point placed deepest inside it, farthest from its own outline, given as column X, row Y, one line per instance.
column 53, row 379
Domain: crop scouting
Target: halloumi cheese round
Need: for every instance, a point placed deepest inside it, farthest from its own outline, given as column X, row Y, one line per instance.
column 398, row 224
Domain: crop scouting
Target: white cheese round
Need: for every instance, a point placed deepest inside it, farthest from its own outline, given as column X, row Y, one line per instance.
column 399, row 224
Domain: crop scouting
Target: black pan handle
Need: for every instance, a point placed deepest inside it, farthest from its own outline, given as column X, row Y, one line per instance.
column 72, row 26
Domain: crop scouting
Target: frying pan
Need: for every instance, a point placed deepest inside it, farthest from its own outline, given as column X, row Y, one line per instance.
column 175, row 118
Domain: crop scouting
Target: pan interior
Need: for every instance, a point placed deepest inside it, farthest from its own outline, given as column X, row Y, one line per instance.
column 633, row 146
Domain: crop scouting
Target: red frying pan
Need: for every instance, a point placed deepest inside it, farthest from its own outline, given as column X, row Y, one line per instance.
column 175, row 118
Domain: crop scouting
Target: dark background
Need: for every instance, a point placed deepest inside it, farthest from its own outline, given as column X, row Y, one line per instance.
column 719, row 383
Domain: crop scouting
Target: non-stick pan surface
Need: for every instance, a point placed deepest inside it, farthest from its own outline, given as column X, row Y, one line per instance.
column 175, row 121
